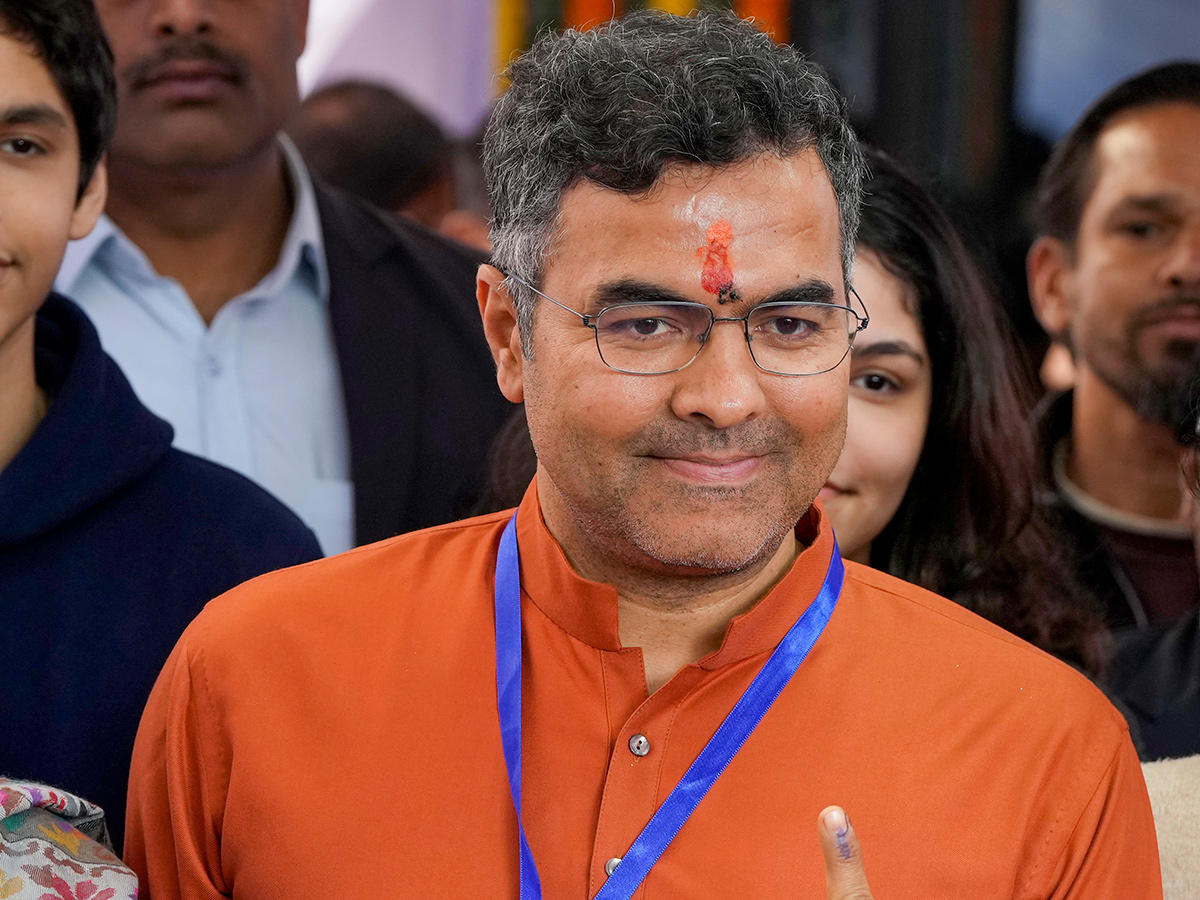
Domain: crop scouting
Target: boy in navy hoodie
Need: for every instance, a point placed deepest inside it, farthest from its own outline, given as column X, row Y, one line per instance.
column 110, row 540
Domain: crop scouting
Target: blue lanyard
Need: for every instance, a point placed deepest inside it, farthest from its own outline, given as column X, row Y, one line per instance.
column 704, row 770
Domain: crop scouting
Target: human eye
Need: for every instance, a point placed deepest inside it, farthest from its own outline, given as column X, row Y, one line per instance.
column 1141, row 229
column 876, row 383
column 797, row 324
column 647, row 323
column 22, row 146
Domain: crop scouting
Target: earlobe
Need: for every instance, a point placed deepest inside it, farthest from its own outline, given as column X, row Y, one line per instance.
column 91, row 204
column 500, row 327
column 1048, row 270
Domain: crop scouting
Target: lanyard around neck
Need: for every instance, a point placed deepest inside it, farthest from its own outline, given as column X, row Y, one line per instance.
column 704, row 770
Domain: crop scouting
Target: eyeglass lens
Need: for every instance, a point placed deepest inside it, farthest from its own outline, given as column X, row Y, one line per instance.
column 787, row 338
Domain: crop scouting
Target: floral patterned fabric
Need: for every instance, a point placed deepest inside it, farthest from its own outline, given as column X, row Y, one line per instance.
column 55, row 846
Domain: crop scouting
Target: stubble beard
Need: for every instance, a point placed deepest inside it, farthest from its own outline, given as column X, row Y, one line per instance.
column 1165, row 393
column 636, row 531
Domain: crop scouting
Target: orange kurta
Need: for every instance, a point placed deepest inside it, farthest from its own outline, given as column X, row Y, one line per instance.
column 331, row 731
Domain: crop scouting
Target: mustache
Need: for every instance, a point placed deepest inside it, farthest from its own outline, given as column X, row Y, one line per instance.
column 680, row 439
column 1164, row 306
column 146, row 69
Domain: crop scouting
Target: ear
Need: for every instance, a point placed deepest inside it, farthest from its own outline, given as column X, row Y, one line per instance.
column 500, row 327
column 1049, row 271
column 91, row 204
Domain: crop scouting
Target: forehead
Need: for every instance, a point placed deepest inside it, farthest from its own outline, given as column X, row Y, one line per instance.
column 27, row 79
column 774, row 220
column 1147, row 151
column 890, row 300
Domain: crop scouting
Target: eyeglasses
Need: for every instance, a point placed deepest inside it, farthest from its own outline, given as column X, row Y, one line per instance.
column 803, row 338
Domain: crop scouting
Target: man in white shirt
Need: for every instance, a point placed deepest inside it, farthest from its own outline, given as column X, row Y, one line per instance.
column 304, row 341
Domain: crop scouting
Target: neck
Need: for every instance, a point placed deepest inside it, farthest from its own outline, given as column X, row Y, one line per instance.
column 22, row 404
column 675, row 618
column 1118, row 457
column 217, row 231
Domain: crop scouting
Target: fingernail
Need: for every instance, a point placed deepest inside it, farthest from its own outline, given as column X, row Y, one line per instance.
column 836, row 822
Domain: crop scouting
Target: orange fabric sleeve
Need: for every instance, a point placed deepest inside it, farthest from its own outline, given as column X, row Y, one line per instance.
column 177, row 787
column 1112, row 847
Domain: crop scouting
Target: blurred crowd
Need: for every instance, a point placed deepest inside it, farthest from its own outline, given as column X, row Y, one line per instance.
column 240, row 332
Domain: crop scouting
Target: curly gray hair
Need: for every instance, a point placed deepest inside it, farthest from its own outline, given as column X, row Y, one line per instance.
column 619, row 104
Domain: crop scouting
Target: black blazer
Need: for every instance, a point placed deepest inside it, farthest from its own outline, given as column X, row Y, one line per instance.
column 417, row 376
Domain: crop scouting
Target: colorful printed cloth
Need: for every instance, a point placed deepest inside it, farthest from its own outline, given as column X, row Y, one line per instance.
column 55, row 846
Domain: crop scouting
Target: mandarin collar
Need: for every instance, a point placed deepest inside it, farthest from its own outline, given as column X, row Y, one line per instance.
column 587, row 610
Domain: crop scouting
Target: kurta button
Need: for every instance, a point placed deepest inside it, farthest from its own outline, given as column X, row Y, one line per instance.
column 639, row 745
column 611, row 865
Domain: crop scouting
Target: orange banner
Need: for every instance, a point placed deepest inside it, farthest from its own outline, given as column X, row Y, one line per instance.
column 772, row 16
column 589, row 13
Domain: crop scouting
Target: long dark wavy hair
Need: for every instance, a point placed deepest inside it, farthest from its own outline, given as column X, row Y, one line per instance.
column 969, row 527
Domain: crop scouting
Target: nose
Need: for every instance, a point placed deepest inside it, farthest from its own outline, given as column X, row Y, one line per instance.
column 174, row 18
column 1183, row 264
column 722, row 387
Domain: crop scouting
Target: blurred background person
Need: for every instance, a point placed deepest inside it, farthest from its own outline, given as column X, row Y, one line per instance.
column 1115, row 274
column 936, row 482
column 1169, row 716
column 370, row 141
column 328, row 352
column 1156, row 670
column 111, row 540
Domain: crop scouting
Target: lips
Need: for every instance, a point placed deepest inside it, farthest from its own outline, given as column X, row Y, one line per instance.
column 727, row 471
column 832, row 490
column 187, row 80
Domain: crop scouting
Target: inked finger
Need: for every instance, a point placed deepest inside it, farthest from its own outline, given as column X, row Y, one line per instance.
column 845, row 877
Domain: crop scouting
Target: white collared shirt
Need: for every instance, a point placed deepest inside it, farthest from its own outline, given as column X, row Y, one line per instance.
column 259, row 389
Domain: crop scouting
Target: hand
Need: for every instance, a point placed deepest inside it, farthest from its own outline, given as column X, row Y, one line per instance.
column 845, row 877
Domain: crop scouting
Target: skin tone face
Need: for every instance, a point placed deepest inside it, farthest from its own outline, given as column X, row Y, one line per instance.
column 890, row 395
column 702, row 473
column 1130, row 296
column 202, row 83
column 39, row 172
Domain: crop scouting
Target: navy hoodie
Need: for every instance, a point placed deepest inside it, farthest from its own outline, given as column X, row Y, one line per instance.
column 111, row 541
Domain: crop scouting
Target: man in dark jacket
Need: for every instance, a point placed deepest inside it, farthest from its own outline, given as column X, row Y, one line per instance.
column 1116, row 274
column 110, row 540
column 302, row 339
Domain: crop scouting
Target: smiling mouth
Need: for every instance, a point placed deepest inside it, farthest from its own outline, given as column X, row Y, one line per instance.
column 716, row 472
column 833, row 490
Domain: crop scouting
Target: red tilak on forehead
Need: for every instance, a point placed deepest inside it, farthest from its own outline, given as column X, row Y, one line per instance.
column 717, row 274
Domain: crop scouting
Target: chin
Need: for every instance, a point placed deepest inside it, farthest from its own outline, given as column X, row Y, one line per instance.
column 716, row 547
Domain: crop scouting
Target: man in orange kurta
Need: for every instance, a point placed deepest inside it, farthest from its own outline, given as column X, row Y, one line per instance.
column 683, row 194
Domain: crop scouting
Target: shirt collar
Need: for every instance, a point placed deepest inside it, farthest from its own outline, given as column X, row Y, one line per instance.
column 303, row 247
column 1109, row 516
column 588, row 610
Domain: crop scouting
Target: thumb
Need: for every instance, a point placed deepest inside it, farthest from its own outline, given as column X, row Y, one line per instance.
column 845, row 878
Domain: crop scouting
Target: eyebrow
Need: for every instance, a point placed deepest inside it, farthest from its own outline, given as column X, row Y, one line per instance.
column 888, row 348
column 1147, row 203
column 617, row 293
column 33, row 114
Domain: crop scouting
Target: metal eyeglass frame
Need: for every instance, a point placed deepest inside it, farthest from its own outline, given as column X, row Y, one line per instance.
column 590, row 322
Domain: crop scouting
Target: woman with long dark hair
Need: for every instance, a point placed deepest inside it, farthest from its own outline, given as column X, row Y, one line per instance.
column 937, row 482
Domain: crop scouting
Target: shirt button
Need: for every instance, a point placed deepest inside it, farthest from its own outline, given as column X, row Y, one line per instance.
column 639, row 745
column 611, row 865
column 214, row 364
